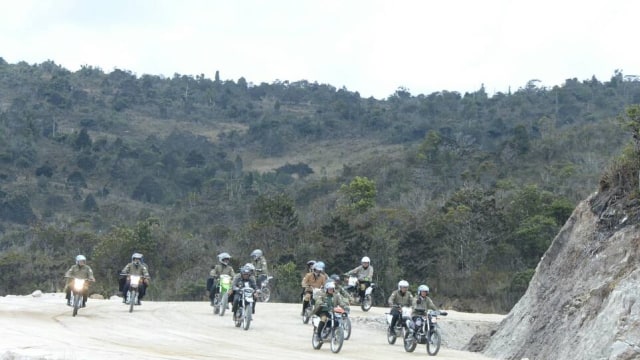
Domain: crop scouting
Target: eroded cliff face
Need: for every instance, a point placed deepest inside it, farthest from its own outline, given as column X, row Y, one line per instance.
column 582, row 302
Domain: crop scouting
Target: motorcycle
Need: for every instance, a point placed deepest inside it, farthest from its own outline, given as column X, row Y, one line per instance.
column 400, row 324
column 332, row 331
column 221, row 298
column 264, row 292
column 423, row 330
column 245, row 308
column 131, row 297
column 77, row 290
column 353, row 288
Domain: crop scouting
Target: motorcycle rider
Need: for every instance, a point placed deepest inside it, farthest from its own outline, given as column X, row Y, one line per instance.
column 260, row 264
column 245, row 279
column 422, row 302
column 135, row 267
column 315, row 279
column 399, row 298
column 81, row 271
column 325, row 303
column 223, row 268
column 364, row 273
column 339, row 288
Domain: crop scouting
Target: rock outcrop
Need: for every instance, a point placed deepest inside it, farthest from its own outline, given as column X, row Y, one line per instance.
column 583, row 301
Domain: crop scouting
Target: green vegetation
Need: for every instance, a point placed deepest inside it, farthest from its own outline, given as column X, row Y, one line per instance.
column 464, row 192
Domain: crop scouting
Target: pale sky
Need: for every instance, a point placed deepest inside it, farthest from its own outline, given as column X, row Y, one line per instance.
column 369, row 46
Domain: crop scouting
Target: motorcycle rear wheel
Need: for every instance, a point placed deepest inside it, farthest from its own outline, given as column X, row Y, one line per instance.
column 433, row 342
column 346, row 324
column 265, row 295
column 246, row 319
column 239, row 316
column 307, row 315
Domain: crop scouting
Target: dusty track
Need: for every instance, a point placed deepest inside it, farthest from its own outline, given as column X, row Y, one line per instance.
column 43, row 328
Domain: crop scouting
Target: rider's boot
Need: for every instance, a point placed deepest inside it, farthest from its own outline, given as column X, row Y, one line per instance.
column 68, row 302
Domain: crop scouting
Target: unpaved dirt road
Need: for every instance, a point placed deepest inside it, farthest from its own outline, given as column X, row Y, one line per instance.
column 43, row 328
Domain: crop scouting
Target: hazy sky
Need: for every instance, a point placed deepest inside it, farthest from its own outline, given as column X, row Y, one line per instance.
column 370, row 46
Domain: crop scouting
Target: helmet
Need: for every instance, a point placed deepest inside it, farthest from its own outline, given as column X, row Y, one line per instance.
column 136, row 256
column 319, row 266
column 403, row 283
column 422, row 288
column 310, row 263
column 250, row 267
column 256, row 253
column 245, row 271
column 223, row 256
column 335, row 278
column 80, row 258
column 365, row 260
column 329, row 285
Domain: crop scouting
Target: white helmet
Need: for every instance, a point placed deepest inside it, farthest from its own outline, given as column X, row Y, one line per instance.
column 256, row 254
column 403, row 283
column 223, row 256
column 319, row 266
column 365, row 260
column 329, row 285
column 80, row 258
column 422, row 288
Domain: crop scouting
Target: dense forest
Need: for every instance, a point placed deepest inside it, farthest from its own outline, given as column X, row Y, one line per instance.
column 464, row 192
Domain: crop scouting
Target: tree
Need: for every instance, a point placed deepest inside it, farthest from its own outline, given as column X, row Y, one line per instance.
column 83, row 140
column 360, row 194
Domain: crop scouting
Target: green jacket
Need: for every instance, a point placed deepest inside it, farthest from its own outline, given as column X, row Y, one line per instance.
column 326, row 302
column 421, row 305
column 140, row 270
column 221, row 269
column 261, row 266
column 80, row 272
column 397, row 298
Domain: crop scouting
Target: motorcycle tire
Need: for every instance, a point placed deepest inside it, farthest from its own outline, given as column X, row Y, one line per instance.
column 346, row 324
column 133, row 298
column 433, row 342
column 224, row 301
column 77, row 302
column 366, row 303
column 216, row 304
column 307, row 315
column 317, row 344
column 410, row 342
column 265, row 295
column 246, row 320
column 239, row 317
column 337, row 339
column 391, row 339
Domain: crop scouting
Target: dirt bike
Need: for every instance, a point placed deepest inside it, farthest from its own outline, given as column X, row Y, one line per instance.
column 353, row 288
column 77, row 290
column 332, row 331
column 245, row 308
column 423, row 330
column 221, row 298
column 306, row 315
column 131, row 297
column 264, row 292
column 400, row 324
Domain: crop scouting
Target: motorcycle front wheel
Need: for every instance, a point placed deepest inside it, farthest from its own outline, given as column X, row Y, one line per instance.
column 246, row 319
column 133, row 298
column 433, row 342
column 239, row 316
column 337, row 339
column 224, row 302
column 216, row 304
column 366, row 303
column 409, row 341
column 77, row 301
column 307, row 315
column 316, row 343
column 391, row 339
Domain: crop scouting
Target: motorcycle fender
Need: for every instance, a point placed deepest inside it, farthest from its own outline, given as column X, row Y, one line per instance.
column 369, row 290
